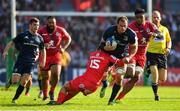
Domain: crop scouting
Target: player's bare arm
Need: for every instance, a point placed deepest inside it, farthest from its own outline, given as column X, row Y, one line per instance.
column 65, row 45
column 8, row 46
column 43, row 56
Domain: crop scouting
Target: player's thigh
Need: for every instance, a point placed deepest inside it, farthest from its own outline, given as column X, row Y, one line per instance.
column 16, row 78
column 162, row 74
column 39, row 72
column 130, row 72
column 25, row 78
column 45, row 74
column 56, row 69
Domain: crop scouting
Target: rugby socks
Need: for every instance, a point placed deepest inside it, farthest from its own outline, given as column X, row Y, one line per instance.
column 115, row 91
column 45, row 92
column 68, row 97
column 18, row 92
column 155, row 88
column 104, row 84
column 61, row 97
column 40, row 84
column 52, row 89
column 121, row 95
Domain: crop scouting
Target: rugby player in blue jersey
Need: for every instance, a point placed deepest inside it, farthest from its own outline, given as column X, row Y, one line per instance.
column 29, row 45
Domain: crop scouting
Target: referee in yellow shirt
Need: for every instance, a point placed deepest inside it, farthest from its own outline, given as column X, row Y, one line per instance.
column 157, row 52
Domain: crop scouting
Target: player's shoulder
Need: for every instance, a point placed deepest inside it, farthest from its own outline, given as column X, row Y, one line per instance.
column 163, row 27
column 130, row 31
column 132, row 24
column 39, row 36
column 59, row 28
column 149, row 23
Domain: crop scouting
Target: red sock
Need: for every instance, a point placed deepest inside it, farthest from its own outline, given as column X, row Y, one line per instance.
column 120, row 96
column 52, row 89
column 45, row 92
column 61, row 97
column 68, row 97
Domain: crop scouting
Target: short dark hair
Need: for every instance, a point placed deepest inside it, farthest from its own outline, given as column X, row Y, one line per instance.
column 139, row 11
column 50, row 17
column 122, row 18
column 34, row 19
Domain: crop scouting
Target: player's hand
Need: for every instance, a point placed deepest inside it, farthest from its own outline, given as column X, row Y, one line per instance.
column 126, row 60
column 108, row 47
column 47, row 45
column 5, row 53
column 61, row 50
column 167, row 51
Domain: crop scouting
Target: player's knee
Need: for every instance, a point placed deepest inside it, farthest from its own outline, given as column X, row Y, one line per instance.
column 163, row 79
column 23, row 82
column 86, row 92
column 45, row 77
column 66, row 86
column 119, row 79
column 136, row 78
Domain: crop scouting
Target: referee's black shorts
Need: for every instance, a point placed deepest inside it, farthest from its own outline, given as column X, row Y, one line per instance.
column 156, row 59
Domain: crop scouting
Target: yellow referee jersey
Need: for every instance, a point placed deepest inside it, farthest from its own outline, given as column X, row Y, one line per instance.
column 157, row 45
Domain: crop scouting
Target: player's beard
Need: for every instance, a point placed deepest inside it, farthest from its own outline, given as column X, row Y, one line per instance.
column 50, row 30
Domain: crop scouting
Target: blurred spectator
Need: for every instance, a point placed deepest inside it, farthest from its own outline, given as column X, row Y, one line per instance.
column 86, row 31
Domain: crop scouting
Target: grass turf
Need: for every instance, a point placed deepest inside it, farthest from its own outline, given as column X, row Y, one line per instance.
column 140, row 98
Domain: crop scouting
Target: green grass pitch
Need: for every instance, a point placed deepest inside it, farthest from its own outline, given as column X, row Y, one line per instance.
column 140, row 98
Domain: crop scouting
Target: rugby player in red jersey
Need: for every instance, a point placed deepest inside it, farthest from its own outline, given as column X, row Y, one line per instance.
column 144, row 30
column 56, row 40
column 98, row 63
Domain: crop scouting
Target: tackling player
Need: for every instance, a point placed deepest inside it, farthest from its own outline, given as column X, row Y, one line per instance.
column 98, row 63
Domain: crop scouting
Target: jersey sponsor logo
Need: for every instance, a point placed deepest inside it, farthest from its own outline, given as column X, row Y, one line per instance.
column 44, row 34
column 31, row 44
column 147, row 30
column 26, row 37
column 58, row 34
column 143, row 40
column 97, row 54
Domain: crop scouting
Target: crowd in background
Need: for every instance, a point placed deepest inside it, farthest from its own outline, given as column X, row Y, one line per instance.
column 86, row 31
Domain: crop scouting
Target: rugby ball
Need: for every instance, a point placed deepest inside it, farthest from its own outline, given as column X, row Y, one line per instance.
column 111, row 41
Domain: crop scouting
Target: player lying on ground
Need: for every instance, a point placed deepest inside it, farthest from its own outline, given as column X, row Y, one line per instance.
column 98, row 63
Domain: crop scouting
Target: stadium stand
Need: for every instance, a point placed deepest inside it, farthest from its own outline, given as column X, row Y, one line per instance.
column 86, row 31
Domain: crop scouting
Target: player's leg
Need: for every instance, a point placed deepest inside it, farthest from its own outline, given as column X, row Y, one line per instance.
column 13, row 80
column 162, row 74
column 130, row 73
column 65, row 94
column 155, row 77
column 45, row 83
column 118, row 83
column 55, row 75
column 40, row 95
column 28, row 85
column 104, row 85
column 24, row 79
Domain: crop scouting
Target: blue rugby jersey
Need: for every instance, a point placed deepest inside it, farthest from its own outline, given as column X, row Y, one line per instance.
column 28, row 46
column 123, row 40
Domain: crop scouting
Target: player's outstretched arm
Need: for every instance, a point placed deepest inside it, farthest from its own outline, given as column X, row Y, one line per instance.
column 43, row 56
column 8, row 46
